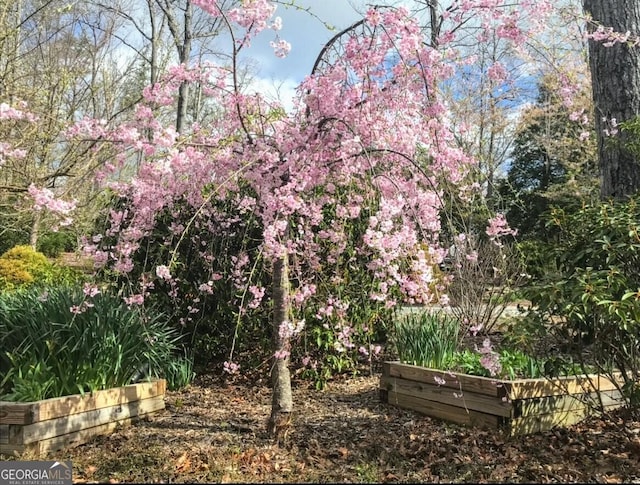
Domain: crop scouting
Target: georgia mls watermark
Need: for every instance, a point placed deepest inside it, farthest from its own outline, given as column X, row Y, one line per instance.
column 35, row 473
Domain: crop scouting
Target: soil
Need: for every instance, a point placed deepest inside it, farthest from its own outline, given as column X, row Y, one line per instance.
column 214, row 431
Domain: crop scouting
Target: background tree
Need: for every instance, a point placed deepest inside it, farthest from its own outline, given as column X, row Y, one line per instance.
column 553, row 159
column 58, row 67
column 614, row 57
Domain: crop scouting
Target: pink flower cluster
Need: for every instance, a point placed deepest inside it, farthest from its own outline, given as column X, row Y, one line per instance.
column 231, row 367
column 490, row 359
column 609, row 37
column 44, row 199
column 8, row 112
column 498, row 227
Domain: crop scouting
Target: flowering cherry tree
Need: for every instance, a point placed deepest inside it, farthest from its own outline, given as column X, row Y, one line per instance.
column 369, row 124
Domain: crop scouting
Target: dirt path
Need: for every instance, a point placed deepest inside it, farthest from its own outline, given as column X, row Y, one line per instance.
column 212, row 433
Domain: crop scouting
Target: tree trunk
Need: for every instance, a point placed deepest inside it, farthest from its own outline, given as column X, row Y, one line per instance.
column 35, row 229
column 615, row 73
column 184, row 54
column 282, row 400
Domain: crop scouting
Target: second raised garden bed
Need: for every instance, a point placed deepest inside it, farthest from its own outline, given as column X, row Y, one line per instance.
column 520, row 406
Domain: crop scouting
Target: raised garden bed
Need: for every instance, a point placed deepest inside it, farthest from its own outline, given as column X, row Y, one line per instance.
column 520, row 406
column 53, row 424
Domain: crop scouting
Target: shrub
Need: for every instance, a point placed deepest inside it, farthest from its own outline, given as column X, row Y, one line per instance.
column 484, row 276
column 51, row 244
column 14, row 274
column 592, row 297
column 60, row 341
column 22, row 266
column 208, row 320
column 225, row 252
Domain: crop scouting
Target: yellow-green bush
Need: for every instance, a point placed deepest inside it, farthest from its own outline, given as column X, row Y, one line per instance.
column 23, row 266
column 13, row 273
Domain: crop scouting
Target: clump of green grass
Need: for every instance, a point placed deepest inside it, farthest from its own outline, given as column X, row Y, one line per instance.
column 426, row 339
column 59, row 341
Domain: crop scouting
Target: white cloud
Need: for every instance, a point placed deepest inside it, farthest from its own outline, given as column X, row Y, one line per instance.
column 281, row 90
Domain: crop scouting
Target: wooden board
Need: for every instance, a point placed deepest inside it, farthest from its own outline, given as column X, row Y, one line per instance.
column 83, row 436
column 545, row 422
column 67, row 440
column 69, row 424
column 16, row 413
column 453, row 380
column 444, row 411
column 554, row 404
column 15, row 450
column 9, row 433
column 531, row 388
column 28, row 413
column 453, row 397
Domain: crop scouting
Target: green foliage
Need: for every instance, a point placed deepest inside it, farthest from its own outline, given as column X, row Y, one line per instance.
column 426, row 339
column 536, row 256
column 631, row 129
column 433, row 340
column 22, row 266
column 179, row 372
column 14, row 231
column 59, row 341
column 210, row 320
column 514, row 364
column 592, row 297
column 51, row 244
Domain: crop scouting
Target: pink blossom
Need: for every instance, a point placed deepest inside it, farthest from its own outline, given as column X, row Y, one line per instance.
column 498, row 226
column 163, row 272
column 281, row 354
column 490, row 359
column 439, row 380
column 281, row 48
column 137, row 299
column 206, row 287
column 90, row 290
column 258, row 293
column 289, row 329
column 497, row 72
column 44, row 199
column 231, row 367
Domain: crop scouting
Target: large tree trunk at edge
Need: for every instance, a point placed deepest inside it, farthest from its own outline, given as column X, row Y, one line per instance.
column 282, row 400
column 615, row 73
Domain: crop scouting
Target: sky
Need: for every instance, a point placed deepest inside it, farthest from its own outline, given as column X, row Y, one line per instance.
column 307, row 35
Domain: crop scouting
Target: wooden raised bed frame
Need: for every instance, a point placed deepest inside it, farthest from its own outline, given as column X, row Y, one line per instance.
column 520, row 406
column 52, row 424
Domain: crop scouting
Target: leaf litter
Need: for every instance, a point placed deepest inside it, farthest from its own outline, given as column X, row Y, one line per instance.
column 214, row 431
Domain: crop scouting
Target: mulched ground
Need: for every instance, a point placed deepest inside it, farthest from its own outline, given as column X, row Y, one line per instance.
column 214, row 432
